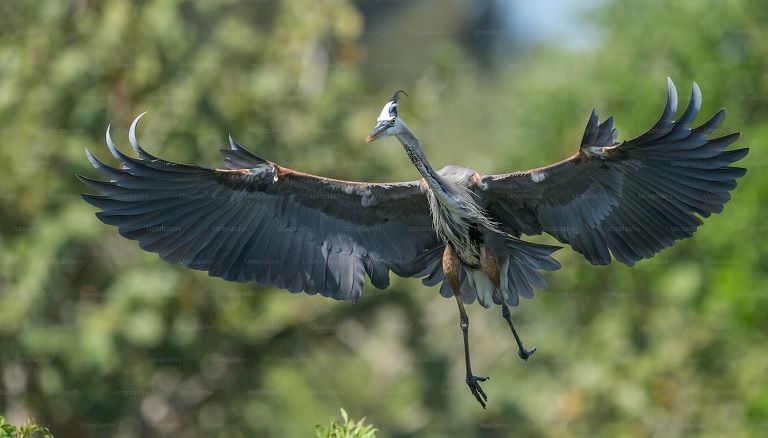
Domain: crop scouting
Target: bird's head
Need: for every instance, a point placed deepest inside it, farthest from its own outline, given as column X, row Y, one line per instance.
column 388, row 123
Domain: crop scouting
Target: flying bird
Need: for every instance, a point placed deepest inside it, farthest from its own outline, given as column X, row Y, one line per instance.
column 257, row 221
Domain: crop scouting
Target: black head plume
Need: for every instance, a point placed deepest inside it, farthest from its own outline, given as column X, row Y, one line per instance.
column 393, row 107
column 397, row 95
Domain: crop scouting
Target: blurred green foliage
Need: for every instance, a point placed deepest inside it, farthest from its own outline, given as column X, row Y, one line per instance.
column 102, row 339
column 28, row 429
column 350, row 428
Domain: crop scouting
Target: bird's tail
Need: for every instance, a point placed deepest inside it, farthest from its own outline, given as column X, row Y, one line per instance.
column 520, row 270
column 520, row 263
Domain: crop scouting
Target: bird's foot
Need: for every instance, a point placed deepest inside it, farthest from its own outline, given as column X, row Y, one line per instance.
column 474, row 385
column 525, row 354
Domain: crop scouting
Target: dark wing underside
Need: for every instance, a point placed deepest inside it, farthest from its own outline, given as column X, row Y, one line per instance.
column 632, row 199
column 261, row 222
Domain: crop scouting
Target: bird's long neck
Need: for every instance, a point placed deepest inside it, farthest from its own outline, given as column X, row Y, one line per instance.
column 412, row 147
column 454, row 211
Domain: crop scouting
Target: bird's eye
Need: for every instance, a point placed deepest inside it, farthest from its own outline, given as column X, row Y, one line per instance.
column 392, row 121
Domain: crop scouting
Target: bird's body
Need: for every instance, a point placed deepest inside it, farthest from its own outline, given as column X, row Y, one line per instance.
column 259, row 222
column 462, row 225
column 458, row 220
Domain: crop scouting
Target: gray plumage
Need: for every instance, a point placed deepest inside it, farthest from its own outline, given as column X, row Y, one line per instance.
column 259, row 222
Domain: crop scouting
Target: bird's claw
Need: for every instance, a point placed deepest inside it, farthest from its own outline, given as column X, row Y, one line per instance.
column 474, row 385
column 525, row 354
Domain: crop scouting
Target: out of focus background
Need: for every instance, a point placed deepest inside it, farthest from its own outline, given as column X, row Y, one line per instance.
column 98, row 338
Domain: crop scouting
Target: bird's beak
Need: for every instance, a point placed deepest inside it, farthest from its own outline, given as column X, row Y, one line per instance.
column 377, row 130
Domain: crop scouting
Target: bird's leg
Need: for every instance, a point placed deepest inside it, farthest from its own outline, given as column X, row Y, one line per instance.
column 490, row 264
column 522, row 352
column 451, row 270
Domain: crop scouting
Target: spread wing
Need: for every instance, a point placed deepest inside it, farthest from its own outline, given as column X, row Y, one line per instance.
column 258, row 221
column 633, row 198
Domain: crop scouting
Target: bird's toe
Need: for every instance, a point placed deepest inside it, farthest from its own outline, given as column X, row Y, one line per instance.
column 474, row 385
column 525, row 354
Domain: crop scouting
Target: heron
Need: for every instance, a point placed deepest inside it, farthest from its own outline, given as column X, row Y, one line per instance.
column 257, row 221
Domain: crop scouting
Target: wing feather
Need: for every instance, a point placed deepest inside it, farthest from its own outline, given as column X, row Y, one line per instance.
column 629, row 199
column 260, row 222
